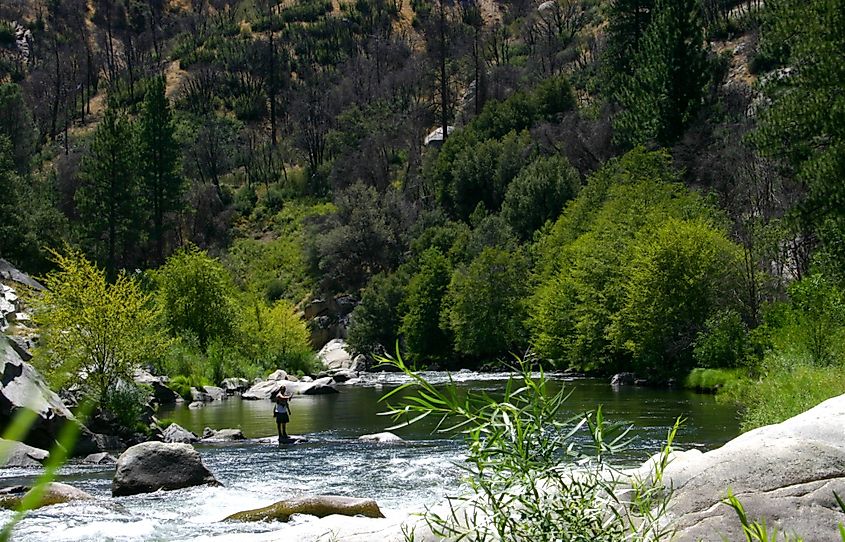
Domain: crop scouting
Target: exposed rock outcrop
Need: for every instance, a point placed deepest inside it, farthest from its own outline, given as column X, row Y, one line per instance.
column 18, row 454
column 784, row 474
column 22, row 387
column 318, row 505
column 151, row 466
column 335, row 356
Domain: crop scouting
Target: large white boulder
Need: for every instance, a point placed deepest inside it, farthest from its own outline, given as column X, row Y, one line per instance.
column 334, row 355
column 785, row 474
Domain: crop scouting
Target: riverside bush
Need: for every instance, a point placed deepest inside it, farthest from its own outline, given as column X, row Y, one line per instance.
column 788, row 389
column 711, row 380
column 528, row 479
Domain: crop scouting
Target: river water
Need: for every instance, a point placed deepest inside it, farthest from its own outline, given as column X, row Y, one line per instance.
column 407, row 476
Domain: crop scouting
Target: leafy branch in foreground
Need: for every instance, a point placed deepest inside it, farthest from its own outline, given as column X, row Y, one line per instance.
column 531, row 475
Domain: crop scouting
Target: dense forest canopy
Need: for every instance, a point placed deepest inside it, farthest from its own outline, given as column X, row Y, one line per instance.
column 652, row 185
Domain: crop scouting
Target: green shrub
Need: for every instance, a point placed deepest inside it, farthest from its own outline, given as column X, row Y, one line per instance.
column 723, row 342
column 711, row 380
column 788, row 389
column 245, row 199
column 127, row 403
column 181, row 385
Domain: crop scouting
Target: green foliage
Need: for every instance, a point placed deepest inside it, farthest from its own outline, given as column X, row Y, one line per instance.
column 670, row 72
column 530, row 474
column 723, row 342
column 158, row 161
column 788, row 389
column 275, row 337
column 538, row 194
column 811, row 326
column 483, row 307
column 127, row 402
column 711, row 380
column 677, row 277
column 194, row 293
column 93, row 333
column 469, row 171
column 181, row 384
column 245, row 199
column 593, row 269
column 803, row 125
column 376, row 319
column 367, row 235
column 16, row 123
column 627, row 21
column 108, row 197
column 423, row 303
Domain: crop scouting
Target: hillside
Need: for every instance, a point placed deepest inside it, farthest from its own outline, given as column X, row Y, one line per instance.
column 626, row 185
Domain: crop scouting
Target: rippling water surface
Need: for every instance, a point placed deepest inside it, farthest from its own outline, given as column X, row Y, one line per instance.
column 401, row 477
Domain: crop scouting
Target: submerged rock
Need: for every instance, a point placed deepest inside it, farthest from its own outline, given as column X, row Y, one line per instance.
column 623, row 379
column 321, row 386
column 381, row 437
column 151, row 466
column 318, row 505
column 222, row 434
column 53, row 493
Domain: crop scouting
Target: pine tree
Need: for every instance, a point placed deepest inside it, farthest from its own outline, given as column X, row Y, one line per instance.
column 670, row 72
column 627, row 23
column 805, row 124
column 158, row 161
column 107, row 198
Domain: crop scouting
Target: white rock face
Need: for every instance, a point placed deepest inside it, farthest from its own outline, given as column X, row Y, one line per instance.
column 784, row 474
column 335, row 356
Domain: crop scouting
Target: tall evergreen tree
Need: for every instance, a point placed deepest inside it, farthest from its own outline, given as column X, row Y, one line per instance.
column 627, row 21
column 158, row 160
column 107, row 198
column 670, row 71
column 805, row 124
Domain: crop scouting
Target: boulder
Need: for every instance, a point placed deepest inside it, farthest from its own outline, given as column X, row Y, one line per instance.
column 151, row 466
column 269, row 388
column 101, row 458
column 21, row 386
column 261, row 390
column 215, row 393
column 9, row 273
column 278, row 375
column 359, row 363
column 306, row 379
column 196, row 404
column 53, row 493
column 235, row 385
column 321, row 386
column 784, row 474
column 162, row 394
column 18, row 454
column 319, row 505
column 334, row 355
column 343, row 375
column 198, row 395
column 221, row 435
column 177, row 433
column 381, row 437
column 623, row 379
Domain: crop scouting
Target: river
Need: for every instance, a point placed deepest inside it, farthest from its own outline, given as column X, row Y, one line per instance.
column 400, row 477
